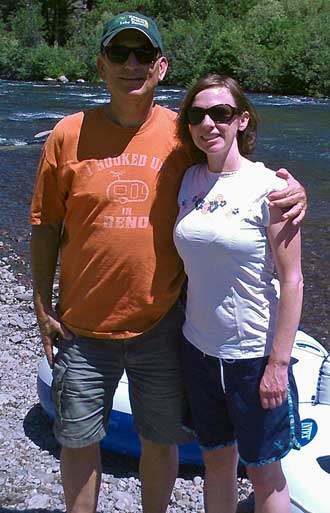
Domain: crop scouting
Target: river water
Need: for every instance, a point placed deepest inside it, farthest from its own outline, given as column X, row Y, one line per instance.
column 294, row 133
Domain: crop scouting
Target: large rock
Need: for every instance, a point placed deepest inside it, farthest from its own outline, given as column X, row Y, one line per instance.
column 38, row 501
column 62, row 79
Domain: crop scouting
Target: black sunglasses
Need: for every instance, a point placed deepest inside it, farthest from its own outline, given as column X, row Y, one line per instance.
column 119, row 54
column 222, row 113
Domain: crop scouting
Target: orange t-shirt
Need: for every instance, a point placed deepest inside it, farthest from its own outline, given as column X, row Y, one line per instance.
column 115, row 189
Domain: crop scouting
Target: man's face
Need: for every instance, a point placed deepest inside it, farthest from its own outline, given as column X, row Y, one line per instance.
column 131, row 77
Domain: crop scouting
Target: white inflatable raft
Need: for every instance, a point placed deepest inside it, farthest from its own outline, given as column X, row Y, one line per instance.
column 307, row 470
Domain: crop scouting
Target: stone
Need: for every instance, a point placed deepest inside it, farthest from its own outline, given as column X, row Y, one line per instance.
column 124, row 501
column 63, row 79
column 17, row 338
column 197, row 480
column 38, row 501
column 6, row 399
column 178, row 494
column 24, row 296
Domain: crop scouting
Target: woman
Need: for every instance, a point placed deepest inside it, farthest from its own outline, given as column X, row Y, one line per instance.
column 239, row 336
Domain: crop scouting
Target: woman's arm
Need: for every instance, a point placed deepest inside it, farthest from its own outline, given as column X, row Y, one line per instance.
column 284, row 239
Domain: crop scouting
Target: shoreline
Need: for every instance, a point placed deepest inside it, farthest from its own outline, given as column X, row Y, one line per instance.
column 99, row 83
column 29, row 454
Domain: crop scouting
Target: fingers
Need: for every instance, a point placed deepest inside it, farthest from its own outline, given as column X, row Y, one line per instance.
column 297, row 220
column 51, row 330
column 49, row 336
column 295, row 209
column 273, row 387
column 296, row 214
column 57, row 330
column 293, row 195
column 283, row 173
column 272, row 400
column 48, row 348
column 284, row 198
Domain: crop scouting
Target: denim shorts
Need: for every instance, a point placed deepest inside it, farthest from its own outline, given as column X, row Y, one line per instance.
column 87, row 372
column 226, row 409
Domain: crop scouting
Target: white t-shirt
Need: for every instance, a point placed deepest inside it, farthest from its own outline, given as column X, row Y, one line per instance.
column 220, row 234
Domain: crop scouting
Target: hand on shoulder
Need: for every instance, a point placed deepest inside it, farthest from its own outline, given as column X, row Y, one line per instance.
column 292, row 200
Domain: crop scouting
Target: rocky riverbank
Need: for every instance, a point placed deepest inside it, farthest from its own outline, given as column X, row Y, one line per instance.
column 29, row 455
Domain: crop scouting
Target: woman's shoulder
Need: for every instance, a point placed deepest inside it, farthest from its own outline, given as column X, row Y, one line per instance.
column 262, row 177
column 192, row 178
column 194, row 170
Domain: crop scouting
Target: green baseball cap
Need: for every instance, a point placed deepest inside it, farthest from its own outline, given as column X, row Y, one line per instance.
column 135, row 21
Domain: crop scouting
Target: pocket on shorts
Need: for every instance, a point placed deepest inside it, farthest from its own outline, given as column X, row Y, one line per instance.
column 59, row 372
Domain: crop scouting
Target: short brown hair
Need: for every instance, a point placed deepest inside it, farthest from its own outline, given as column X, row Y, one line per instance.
column 246, row 140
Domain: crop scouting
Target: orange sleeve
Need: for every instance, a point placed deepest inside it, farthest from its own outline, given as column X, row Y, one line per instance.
column 50, row 191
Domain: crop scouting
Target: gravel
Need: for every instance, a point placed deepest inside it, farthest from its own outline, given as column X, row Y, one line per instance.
column 30, row 478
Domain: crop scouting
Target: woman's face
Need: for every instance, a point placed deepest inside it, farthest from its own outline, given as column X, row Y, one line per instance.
column 217, row 137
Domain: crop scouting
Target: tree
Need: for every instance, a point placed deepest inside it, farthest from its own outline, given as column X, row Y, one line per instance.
column 184, row 46
column 306, row 58
column 27, row 25
column 58, row 20
column 10, row 54
column 90, row 4
column 8, row 7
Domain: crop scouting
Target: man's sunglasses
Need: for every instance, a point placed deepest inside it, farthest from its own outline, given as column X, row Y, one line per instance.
column 222, row 113
column 119, row 54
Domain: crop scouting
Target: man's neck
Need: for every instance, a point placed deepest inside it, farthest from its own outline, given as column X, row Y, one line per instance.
column 129, row 114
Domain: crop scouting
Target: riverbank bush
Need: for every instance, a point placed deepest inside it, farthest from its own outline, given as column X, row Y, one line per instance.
column 278, row 46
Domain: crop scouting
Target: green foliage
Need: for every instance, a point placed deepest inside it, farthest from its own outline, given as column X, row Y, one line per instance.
column 258, row 68
column 300, row 10
column 183, row 43
column 224, row 47
column 188, row 11
column 8, row 7
column 10, row 53
column 27, row 25
column 306, row 59
column 84, row 44
column 118, row 6
column 58, row 16
column 265, row 24
column 269, row 45
column 44, row 61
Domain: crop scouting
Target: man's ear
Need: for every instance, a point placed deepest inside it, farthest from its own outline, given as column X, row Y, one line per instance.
column 163, row 65
column 100, row 66
column 244, row 121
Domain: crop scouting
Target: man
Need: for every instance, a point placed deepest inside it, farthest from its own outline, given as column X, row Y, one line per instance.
column 106, row 198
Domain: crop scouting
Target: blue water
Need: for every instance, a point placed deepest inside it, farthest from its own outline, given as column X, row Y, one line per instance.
column 294, row 133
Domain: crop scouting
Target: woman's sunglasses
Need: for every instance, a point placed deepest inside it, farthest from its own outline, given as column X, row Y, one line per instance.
column 119, row 54
column 222, row 113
